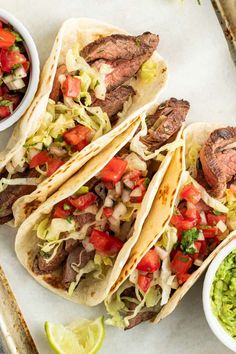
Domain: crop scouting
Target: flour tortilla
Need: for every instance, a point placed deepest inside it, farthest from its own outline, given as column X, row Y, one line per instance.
column 90, row 292
column 80, row 31
column 156, row 222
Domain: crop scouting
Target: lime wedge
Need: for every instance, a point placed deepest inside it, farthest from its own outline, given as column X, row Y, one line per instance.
column 79, row 337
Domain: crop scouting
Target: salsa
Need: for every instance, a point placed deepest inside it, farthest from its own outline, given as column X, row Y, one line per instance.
column 14, row 69
column 223, row 294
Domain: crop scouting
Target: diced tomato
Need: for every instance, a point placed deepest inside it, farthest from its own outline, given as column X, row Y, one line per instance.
column 84, row 201
column 60, row 212
column 39, row 159
column 137, row 194
column 71, row 86
column 144, row 282
column 26, row 66
column 203, row 250
column 114, row 170
column 53, row 165
column 192, row 213
column 191, row 194
column 15, row 99
column 181, row 263
column 4, row 112
column 150, row 262
column 181, row 223
column 133, row 175
column 210, row 232
column 109, row 185
column 202, row 206
column 108, row 212
column 104, row 243
column 213, row 219
column 3, row 90
column 9, row 58
column 81, row 145
column 198, row 245
column 1, row 25
column 7, row 39
column 233, row 188
column 77, row 135
column 182, row 277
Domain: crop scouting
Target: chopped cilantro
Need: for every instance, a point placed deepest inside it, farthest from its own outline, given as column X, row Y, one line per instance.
column 16, row 66
column 5, row 103
column 18, row 37
column 59, row 139
column 44, row 254
column 216, row 212
column 69, row 219
column 146, row 182
column 183, row 259
column 66, row 206
column 96, row 84
column 188, row 239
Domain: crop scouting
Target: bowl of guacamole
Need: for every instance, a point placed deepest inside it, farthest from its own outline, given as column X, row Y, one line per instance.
column 219, row 295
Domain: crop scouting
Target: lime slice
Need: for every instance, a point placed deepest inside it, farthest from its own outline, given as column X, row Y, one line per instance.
column 81, row 336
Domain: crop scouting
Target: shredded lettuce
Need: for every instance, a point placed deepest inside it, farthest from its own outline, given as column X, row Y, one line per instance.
column 168, row 239
column 102, row 264
column 50, row 231
column 141, row 149
column 88, row 268
column 192, row 157
column 4, row 182
column 148, row 71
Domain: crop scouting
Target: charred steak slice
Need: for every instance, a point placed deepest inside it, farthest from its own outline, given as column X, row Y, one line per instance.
column 120, row 46
column 80, row 257
column 165, row 122
column 141, row 317
column 46, row 266
column 218, row 159
column 82, row 219
column 115, row 100
column 56, row 87
column 12, row 193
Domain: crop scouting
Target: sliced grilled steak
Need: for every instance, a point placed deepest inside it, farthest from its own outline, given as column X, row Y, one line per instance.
column 78, row 256
column 120, row 46
column 12, row 193
column 165, row 122
column 56, row 87
column 141, row 317
column 46, row 266
column 71, row 244
column 115, row 100
column 218, row 159
column 82, row 219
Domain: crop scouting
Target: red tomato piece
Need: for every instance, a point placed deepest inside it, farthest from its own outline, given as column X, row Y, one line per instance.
column 26, row 66
column 198, row 246
column 191, row 194
column 192, row 213
column 39, row 159
column 181, row 223
column 108, row 212
column 59, row 210
column 7, row 39
column 1, row 25
column 114, row 170
column 77, row 135
column 71, row 86
column 150, row 262
column 182, row 277
column 144, row 282
column 109, row 185
column 4, row 112
column 84, row 201
column 81, row 145
column 210, row 232
column 133, row 175
column 3, row 90
column 15, row 99
column 177, row 220
column 105, row 243
column 181, row 263
column 213, row 219
column 9, row 58
column 53, row 165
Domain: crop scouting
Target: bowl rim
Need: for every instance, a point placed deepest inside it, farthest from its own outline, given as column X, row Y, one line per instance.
column 34, row 72
column 212, row 320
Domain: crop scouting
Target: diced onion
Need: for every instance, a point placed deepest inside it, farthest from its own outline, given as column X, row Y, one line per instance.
column 108, row 202
column 118, row 188
column 203, row 218
column 119, row 210
column 134, row 277
column 221, row 226
column 198, row 262
column 129, row 183
column 200, row 236
column 87, row 245
column 137, row 192
column 114, row 224
column 125, row 196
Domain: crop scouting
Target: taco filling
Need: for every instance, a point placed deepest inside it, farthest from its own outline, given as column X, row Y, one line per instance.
column 197, row 226
column 82, row 236
column 90, row 93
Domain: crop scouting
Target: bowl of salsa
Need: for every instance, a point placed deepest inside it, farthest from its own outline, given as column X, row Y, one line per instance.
column 219, row 295
column 19, row 69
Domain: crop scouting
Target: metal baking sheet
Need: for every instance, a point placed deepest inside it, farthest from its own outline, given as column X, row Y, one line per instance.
column 201, row 71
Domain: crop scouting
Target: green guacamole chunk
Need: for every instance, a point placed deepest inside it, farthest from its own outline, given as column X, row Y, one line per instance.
column 223, row 294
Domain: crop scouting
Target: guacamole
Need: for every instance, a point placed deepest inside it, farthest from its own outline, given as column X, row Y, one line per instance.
column 223, row 294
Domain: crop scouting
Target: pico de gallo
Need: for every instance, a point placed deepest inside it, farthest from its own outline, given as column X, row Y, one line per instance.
column 14, row 69
column 195, row 230
column 85, row 232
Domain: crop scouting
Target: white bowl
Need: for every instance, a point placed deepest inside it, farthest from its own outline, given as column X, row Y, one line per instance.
column 34, row 69
column 212, row 320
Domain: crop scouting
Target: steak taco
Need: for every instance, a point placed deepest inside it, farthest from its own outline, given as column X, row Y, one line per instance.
column 95, row 83
column 78, row 240
column 185, row 229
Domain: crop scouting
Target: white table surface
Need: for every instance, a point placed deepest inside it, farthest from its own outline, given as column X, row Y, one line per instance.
column 201, row 71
